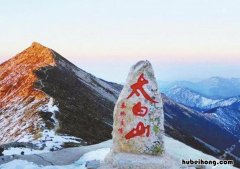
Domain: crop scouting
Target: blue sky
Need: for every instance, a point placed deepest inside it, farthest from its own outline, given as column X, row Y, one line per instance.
column 187, row 39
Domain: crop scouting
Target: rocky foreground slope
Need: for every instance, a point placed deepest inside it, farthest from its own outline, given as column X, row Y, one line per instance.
column 93, row 156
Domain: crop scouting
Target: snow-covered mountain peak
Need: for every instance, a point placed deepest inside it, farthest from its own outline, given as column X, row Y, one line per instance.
column 20, row 100
column 43, row 96
column 189, row 97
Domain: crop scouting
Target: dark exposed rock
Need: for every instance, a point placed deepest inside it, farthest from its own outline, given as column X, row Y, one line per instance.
column 93, row 164
column 19, row 144
column 83, row 112
column 1, row 151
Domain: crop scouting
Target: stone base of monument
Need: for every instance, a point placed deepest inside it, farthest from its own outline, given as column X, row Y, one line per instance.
column 135, row 161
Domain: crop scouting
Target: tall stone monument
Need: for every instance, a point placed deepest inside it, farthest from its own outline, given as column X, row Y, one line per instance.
column 138, row 114
column 138, row 128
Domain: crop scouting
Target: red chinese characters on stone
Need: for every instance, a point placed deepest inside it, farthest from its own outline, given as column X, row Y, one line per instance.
column 140, row 130
column 122, row 113
column 120, row 130
column 139, row 87
column 123, row 106
column 139, row 110
column 122, row 122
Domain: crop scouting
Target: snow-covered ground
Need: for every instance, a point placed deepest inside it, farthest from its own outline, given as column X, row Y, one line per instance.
column 48, row 140
column 80, row 164
column 51, row 140
column 20, row 150
column 174, row 148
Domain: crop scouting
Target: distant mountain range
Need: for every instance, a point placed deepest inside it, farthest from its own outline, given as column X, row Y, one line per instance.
column 49, row 102
column 200, row 131
column 214, row 87
column 198, row 101
column 221, row 111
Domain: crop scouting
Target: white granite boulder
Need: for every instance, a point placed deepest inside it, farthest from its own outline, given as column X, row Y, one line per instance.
column 138, row 114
